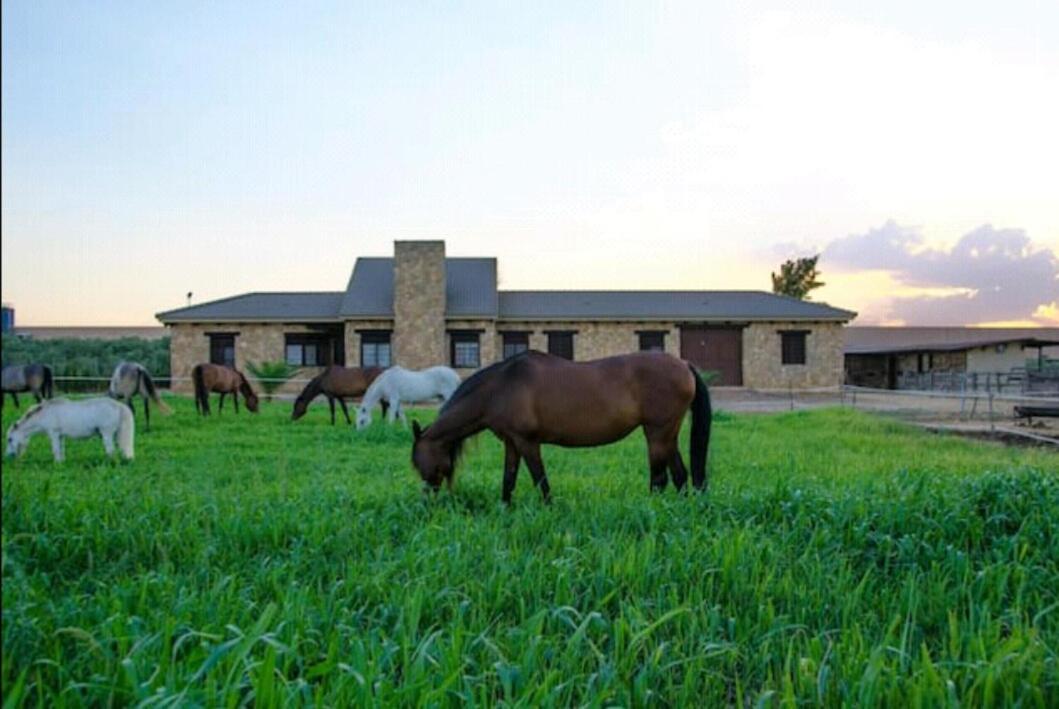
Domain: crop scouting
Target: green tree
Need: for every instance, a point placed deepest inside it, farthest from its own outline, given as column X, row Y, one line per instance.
column 271, row 375
column 797, row 277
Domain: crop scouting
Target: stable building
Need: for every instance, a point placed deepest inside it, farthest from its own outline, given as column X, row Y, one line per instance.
column 421, row 308
column 946, row 357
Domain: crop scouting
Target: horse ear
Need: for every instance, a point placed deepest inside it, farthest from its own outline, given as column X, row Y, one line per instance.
column 416, row 430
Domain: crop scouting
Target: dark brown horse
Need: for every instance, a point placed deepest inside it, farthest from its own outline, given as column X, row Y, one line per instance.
column 225, row 380
column 337, row 383
column 534, row 398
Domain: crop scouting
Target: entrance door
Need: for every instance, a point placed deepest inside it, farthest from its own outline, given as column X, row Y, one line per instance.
column 718, row 349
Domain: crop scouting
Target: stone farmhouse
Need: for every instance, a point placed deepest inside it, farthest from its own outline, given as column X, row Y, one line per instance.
column 420, row 309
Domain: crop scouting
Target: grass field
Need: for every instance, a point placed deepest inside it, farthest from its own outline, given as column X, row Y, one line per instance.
column 837, row 558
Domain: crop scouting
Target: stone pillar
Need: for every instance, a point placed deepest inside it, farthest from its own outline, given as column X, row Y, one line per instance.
column 419, row 304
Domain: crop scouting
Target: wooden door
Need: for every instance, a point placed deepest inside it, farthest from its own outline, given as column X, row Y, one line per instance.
column 718, row 349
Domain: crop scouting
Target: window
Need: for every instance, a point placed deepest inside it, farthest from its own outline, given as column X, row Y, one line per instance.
column 653, row 341
column 375, row 348
column 222, row 348
column 561, row 344
column 308, row 350
column 793, row 346
column 515, row 343
column 465, row 350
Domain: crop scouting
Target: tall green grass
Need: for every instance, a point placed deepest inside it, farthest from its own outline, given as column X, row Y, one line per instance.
column 838, row 558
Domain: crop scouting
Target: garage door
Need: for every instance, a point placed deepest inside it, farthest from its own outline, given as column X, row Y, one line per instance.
column 718, row 349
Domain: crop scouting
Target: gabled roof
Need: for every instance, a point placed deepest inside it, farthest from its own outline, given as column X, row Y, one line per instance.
column 662, row 305
column 880, row 340
column 260, row 306
column 470, row 288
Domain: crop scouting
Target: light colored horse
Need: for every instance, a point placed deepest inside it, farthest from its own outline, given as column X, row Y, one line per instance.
column 132, row 379
column 34, row 378
column 61, row 418
column 398, row 385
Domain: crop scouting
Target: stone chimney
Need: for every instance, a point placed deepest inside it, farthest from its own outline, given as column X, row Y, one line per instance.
column 419, row 304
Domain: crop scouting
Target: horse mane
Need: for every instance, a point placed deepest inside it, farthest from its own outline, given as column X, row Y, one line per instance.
column 313, row 386
column 244, row 386
column 474, row 382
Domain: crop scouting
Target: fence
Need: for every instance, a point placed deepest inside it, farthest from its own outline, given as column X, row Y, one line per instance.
column 99, row 385
column 1016, row 381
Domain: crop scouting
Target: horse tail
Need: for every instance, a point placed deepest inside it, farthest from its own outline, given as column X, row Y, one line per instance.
column 701, row 418
column 152, row 391
column 126, row 431
column 47, row 383
column 202, row 400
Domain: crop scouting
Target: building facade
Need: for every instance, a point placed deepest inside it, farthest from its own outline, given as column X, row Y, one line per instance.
column 421, row 308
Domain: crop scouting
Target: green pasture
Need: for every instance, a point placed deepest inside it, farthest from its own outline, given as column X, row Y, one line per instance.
column 838, row 558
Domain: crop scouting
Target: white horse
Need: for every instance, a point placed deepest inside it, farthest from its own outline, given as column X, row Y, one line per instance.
column 398, row 385
column 75, row 419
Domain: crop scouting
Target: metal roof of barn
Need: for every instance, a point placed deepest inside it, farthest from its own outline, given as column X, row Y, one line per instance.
column 250, row 307
column 470, row 288
column 663, row 305
column 882, row 340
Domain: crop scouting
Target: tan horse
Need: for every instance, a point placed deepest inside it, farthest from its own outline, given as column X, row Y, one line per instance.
column 534, row 398
column 224, row 380
column 336, row 383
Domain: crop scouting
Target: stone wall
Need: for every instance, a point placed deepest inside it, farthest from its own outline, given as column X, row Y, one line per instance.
column 763, row 366
column 255, row 342
column 593, row 339
column 419, row 304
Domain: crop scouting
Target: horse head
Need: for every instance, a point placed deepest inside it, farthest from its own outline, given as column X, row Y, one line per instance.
column 435, row 461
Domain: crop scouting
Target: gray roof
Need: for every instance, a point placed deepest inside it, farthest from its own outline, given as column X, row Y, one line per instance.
column 662, row 305
column 470, row 288
column 260, row 306
column 878, row 340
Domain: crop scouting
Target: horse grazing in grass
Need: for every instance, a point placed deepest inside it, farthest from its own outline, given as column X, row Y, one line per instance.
column 225, row 380
column 534, row 398
column 62, row 418
column 35, row 378
column 398, row 385
column 132, row 379
column 336, row 383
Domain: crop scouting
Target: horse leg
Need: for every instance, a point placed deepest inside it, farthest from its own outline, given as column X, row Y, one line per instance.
column 57, row 446
column 532, row 454
column 511, row 462
column 331, row 403
column 344, row 410
column 385, row 406
column 220, row 406
column 235, row 400
column 395, row 406
column 659, row 449
column 108, row 443
column 146, row 415
column 677, row 469
column 14, row 395
column 37, row 395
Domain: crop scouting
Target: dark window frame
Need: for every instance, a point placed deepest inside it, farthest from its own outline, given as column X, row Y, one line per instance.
column 794, row 347
column 514, row 342
column 373, row 339
column 555, row 337
column 644, row 335
column 221, row 342
column 465, row 337
column 324, row 344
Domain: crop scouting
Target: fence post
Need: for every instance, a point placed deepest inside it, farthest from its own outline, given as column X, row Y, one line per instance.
column 992, row 424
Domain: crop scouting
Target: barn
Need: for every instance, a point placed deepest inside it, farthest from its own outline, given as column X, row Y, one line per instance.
column 420, row 308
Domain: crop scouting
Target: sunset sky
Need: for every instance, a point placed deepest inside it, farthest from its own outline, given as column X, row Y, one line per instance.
column 153, row 149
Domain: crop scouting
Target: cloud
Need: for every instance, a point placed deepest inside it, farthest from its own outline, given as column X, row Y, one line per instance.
column 989, row 275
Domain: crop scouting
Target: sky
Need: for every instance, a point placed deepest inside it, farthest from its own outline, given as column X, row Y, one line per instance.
column 152, row 149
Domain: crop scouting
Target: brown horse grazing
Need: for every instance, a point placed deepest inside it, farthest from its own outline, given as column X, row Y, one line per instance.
column 337, row 383
column 216, row 377
column 534, row 398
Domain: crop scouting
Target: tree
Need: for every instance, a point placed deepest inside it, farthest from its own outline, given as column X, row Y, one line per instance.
column 271, row 375
column 797, row 277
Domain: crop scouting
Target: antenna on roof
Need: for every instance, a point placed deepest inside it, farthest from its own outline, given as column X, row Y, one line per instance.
column 189, row 297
